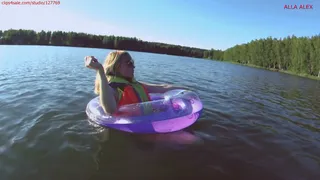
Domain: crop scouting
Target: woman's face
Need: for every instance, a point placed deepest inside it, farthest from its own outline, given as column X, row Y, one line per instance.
column 126, row 67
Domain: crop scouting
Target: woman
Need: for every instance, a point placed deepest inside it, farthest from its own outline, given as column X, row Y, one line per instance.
column 115, row 82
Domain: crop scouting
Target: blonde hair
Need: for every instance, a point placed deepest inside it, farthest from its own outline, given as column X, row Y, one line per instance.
column 110, row 66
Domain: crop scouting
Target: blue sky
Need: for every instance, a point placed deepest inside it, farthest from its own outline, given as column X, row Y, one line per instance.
column 217, row 24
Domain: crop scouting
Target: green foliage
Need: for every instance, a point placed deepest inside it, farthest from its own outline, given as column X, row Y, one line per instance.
column 1, row 37
column 59, row 38
column 298, row 55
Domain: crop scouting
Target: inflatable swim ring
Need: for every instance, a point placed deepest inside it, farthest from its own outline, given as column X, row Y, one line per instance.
column 171, row 111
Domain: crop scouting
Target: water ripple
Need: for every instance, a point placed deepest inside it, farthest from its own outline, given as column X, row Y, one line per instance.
column 254, row 121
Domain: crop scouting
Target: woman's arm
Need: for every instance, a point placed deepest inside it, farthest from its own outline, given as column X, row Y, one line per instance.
column 161, row 88
column 107, row 94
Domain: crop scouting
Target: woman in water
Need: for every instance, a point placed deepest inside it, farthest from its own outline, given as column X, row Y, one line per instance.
column 115, row 82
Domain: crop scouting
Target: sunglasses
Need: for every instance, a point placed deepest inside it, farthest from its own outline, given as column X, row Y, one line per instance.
column 130, row 63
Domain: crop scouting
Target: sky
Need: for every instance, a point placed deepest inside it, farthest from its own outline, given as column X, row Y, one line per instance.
column 217, row 24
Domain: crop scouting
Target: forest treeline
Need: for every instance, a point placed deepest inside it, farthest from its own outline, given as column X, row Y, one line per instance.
column 300, row 55
column 60, row 38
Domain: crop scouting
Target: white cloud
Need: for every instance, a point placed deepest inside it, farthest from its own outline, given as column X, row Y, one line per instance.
column 50, row 18
column 53, row 18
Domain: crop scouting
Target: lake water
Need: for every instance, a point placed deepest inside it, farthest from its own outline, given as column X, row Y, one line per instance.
column 256, row 124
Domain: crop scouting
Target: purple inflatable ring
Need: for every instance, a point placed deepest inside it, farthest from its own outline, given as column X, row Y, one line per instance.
column 171, row 111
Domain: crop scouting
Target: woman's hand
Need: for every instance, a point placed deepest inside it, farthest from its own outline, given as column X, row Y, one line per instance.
column 92, row 63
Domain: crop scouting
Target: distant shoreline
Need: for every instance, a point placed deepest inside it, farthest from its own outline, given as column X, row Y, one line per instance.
column 95, row 48
column 232, row 62
column 275, row 70
column 74, row 39
column 292, row 55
